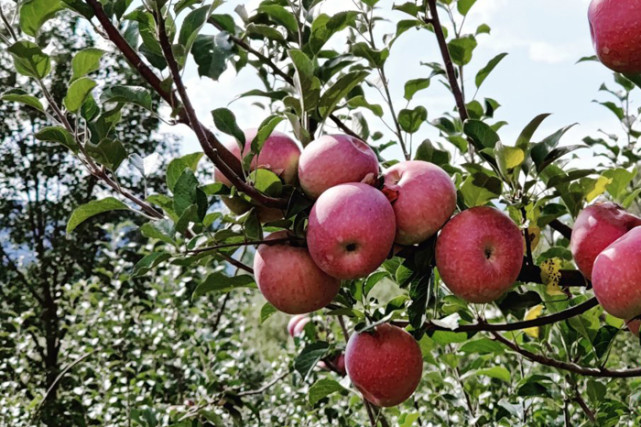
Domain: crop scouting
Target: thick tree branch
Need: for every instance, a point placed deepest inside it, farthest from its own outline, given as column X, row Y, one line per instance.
column 567, row 366
column 447, row 60
column 515, row 326
column 222, row 158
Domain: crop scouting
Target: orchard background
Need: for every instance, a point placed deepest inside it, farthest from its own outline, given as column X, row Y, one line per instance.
column 126, row 293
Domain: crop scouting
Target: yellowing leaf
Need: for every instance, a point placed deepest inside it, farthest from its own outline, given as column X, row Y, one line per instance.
column 598, row 189
column 532, row 314
column 513, row 156
column 551, row 275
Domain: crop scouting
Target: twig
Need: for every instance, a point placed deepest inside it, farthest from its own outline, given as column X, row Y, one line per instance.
column 236, row 263
column 238, row 244
column 62, row 374
column 568, row 366
column 515, row 326
column 263, row 388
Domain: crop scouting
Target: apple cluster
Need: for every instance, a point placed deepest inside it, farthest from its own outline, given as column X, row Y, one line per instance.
column 353, row 226
column 606, row 246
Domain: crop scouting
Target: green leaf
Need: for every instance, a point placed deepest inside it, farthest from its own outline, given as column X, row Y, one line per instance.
column 58, row 134
column 177, row 167
column 91, row 209
column 265, row 129
column 325, row 26
column 162, row 230
column 225, row 121
column 192, row 24
column 323, row 388
column 266, row 311
column 482, row 346
column 376, row 58
column 419, row 290
column 524, row 138
column 411, row 120
column 210, row 56
column 481, row 133
column 413, row 86
column 373, row 279
column 108, row 152
column 219, row 282
column 338, row 91
column 148, row 262
column 29, row 59
column 360, row 101
column 447, row 337
column 85, row 62
column 80, row 7
column 185, row 191
column 309, row 357
column 498, row 372
column 479, row 188
column 77, row 93
column 306, row 83
column 34, row 13
column 461, row 49
column 485, row 71
column 280, row 15
column 128, row 94
column 266, row 182
column 22, row 97
column 264, row 31
column 464, row 6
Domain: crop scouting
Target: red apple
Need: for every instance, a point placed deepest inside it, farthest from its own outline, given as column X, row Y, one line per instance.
column 339, row 363
column 279, row 154
column 424, row 199
column 351, row 230
column 288, row 278
column 616, row 276
column 334, row 159
column 479, row 254
column 296, row 324
column 595, row 228
column 615, row 26
column 384, row 364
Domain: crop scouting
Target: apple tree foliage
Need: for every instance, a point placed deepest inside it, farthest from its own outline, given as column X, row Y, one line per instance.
column 543, row 354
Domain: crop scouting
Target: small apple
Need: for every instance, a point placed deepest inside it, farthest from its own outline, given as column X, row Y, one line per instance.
column 479, row 254
column 424, row 199
column 296, row 324
column 279, row 154
column 615, row 26
column 633, row 326
column 351, row 230
column 385, row 364
column 596, row 227
column 334, row 159
column 616, row 276
column 288, row 278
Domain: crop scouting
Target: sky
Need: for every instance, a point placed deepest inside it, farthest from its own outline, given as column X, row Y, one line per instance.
column 543, row 39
